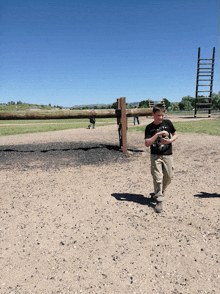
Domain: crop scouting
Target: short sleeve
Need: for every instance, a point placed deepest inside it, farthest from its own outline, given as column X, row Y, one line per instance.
column 147, row 133
column 172, row 129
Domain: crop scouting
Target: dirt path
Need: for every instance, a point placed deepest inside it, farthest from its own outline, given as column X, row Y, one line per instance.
column 76, row 215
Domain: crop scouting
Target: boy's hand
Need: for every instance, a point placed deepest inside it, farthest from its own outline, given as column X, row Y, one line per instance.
column 165, row 141
column 163, row 133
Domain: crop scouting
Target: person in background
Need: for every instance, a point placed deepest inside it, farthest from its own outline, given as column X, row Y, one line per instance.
column 91, row 122
column 136, row 117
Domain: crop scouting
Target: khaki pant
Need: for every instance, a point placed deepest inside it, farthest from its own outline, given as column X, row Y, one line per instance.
column 162, row 173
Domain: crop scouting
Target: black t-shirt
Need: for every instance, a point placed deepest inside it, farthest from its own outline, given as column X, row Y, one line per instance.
column 157, row 147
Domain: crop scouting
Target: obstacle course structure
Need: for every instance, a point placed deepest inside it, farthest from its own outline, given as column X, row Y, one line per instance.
column 153, row 103
column 121, row 114
column 206, row 70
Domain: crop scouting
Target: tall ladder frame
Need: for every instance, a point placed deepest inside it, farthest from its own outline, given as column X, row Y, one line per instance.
column 204, row 72
column 153, row 103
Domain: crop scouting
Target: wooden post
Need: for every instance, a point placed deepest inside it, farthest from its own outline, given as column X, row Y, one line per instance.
column 123, row 125
column 122, row 122
column 211, row 84
column 197, row 77
column 119, row 123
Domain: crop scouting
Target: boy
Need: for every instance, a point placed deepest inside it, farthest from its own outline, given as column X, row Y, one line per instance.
column 158, row 137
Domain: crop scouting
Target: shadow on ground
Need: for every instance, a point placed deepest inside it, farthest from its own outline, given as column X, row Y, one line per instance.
column 57, row 155
column 207, row 195
column 137, row 198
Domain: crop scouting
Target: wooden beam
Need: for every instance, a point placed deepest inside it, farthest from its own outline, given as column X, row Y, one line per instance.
column 58, row 114
column 72, row 114
column 139, row 112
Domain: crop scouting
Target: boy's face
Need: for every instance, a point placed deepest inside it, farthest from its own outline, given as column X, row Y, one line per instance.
column 158, row 117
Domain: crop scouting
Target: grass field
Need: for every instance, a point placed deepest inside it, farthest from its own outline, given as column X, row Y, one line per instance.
column 57, row 121
column 23, row 107
column 17, row 127
column 208, row 127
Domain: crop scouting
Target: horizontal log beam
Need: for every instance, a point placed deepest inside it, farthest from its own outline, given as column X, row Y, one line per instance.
column 139, row 112
column 71, row 114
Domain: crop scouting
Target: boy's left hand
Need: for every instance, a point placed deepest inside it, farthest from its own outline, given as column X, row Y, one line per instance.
column 165, row 140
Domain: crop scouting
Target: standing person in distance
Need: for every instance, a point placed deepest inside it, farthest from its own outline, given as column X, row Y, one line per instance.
column 159, row 136
column 136, row 117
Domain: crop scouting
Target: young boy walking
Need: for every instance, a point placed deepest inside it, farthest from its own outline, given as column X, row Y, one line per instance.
column 159, row 136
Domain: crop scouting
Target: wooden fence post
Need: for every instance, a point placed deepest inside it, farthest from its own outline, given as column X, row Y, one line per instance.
column 122, row 129
column 119, row 123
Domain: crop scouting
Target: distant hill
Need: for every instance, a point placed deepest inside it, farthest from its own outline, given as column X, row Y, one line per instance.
column 100, row 105
column 26, row 106
column 23, row 107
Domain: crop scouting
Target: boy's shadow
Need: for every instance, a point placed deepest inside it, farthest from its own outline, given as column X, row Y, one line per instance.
column 138, row 198
column 207, row 195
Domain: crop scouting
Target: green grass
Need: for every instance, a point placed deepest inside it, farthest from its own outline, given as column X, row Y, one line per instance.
column 206, row 126
column 49, row 121
column 25, row 126
column 23, row 107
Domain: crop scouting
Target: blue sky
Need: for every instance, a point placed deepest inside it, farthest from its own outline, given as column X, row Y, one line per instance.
column 75, row 52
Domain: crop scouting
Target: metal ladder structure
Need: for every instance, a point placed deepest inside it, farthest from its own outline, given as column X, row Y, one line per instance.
column 204, row 70
column 153, row 103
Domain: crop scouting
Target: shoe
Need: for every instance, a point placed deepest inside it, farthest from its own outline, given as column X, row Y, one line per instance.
column 153, row 198
column 159, row 207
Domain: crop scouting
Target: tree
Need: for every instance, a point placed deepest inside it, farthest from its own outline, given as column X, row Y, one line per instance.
column 167, row 103
column 144, row 104
column 175, row 106
column 216, row 101
column 190, row 99
column 181, row 106
column 115, row 105
column 187, row 103
column 129, row 106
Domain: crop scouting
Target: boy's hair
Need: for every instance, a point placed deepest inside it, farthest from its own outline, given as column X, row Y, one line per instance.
column 158, row 107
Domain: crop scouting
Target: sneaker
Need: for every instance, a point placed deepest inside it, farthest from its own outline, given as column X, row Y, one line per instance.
column 159, row 207
column 153, row 198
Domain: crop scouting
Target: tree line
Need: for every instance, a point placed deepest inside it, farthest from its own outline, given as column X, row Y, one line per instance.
column 187, row 103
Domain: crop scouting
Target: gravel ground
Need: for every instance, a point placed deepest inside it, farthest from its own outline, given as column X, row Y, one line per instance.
column 76, row 215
